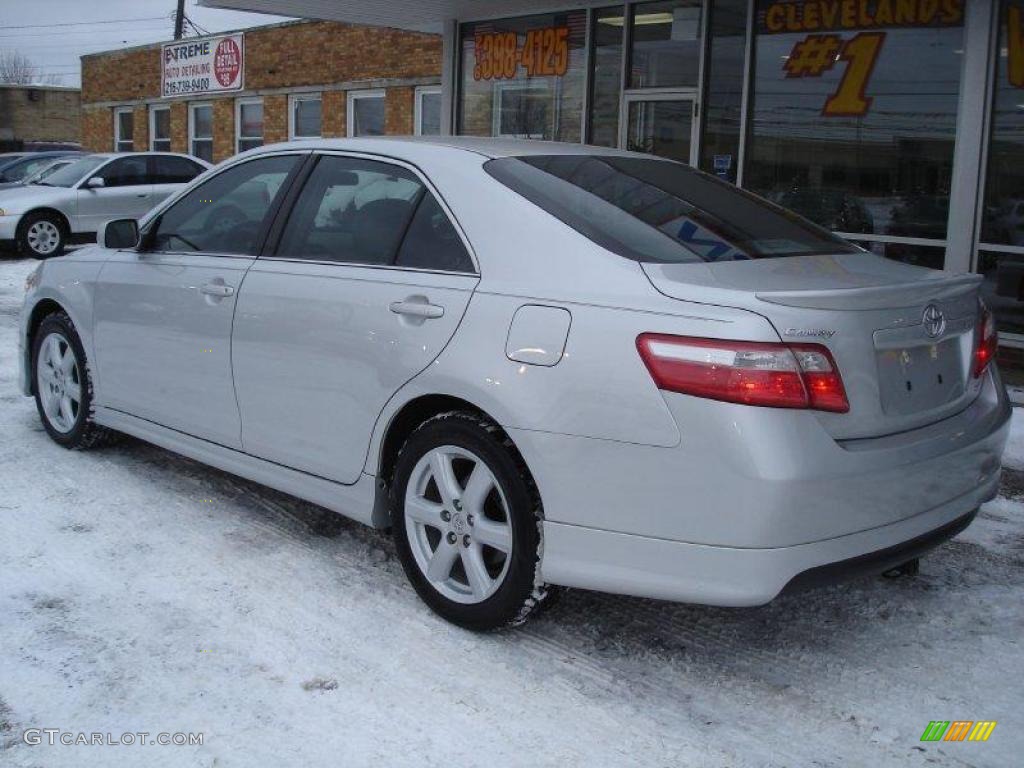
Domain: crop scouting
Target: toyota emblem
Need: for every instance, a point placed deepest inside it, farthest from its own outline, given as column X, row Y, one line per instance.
column 934, row 321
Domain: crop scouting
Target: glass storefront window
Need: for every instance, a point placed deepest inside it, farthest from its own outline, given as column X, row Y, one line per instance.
column 606, row 76
column 1003, row 221
column 723, row 99
column 854, row 114
column 1003, row 289
column 524, row 77
column 665, row 50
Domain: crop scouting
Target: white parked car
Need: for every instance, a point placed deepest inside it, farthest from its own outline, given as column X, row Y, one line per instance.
column 538, row 364
column 70, row 205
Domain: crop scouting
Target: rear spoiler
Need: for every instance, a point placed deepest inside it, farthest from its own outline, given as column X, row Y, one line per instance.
column 876, row 297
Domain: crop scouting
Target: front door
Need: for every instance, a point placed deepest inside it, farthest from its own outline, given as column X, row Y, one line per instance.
column 368, row 283
column 665, row 125
column 127, row 193
column 163, row 315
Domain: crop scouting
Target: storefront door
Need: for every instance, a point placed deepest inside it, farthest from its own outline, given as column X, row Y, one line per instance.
column 664, row 125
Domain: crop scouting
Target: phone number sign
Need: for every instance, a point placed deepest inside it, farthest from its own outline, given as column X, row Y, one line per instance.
column 203, row 65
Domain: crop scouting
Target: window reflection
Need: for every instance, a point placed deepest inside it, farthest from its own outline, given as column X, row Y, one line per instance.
column 665, row 48
column 848, row 132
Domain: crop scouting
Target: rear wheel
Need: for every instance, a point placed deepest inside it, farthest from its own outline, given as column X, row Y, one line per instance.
column 63, row 389
column 41, row 235
column 466, row 522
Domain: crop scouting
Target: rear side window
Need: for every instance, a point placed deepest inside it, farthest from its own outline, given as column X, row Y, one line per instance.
column 357, row 211
column 226, row 213
column 169, row 169
column 432, row 242
column 654, row 210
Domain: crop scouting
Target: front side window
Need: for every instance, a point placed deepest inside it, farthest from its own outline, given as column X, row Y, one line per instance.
column 661, row 211
column 249, row 122
column 160, row 129
column 366, row 113
column 126, row 172
column 305, row 119
column 124, row 130
column 854, row 116
column 225, row 214
column 201, row 131
column 428, row 111
column 524, row 77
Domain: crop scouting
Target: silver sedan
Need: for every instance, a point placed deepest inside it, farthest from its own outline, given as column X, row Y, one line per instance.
column 70, row 205
column 538, row 364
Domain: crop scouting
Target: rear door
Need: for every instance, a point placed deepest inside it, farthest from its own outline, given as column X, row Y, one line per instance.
column 163, row 315
column 366, row 281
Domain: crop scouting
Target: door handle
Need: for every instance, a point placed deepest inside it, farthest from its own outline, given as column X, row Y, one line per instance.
column 217, row 289
column 417, row 309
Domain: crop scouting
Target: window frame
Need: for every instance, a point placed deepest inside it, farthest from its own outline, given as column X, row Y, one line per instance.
column 239, row 138
column 192, row 107
column 293, row 100
column 155, row 215
column 118, row 141
column 420, row 92
column 153, row 109
column 273, row 239
column 350, row 115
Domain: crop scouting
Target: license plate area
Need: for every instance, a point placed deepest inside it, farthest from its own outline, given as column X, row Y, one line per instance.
column 916, row 377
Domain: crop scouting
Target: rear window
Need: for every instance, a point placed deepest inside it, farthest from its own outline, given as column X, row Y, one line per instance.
column 660, row 211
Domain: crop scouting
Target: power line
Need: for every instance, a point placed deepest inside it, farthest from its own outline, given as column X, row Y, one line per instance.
column 86, row 23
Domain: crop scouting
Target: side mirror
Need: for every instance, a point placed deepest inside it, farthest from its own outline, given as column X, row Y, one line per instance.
column 95, row 182
column 119, row 233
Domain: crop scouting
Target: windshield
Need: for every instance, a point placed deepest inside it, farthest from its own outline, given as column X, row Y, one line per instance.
column 648, row 209
column 47, row 171
column 72, row 174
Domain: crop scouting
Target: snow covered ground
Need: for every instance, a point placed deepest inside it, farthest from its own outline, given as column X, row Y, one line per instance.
column 140, row 591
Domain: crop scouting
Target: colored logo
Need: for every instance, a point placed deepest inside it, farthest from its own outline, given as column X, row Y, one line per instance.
column 958, row 730
column 227, row 62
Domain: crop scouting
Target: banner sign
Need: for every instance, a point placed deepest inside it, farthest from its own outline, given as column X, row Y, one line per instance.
column 856, row 15
column 545, row 52
column 202, row 65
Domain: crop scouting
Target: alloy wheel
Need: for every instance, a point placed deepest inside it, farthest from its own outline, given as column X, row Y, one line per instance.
column 458, row 524
column 43, row 237
column 59, row 379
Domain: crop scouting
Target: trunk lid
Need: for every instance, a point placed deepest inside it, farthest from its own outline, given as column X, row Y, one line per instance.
column 902, row 368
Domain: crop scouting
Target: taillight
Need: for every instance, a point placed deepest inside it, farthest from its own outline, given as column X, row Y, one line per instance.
column 986, row 340
column 748, row 372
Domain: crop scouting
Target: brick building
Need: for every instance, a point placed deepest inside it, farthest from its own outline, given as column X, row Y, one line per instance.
column 38, row 114
column 299, row 79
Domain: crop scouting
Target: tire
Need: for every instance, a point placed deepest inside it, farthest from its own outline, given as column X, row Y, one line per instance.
column 63, row 387
column 42, row 235
column 470, row 549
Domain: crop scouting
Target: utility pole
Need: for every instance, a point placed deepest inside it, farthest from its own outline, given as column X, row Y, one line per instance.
column 179, row 20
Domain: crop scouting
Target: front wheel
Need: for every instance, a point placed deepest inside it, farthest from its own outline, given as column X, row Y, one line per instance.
column 63, row 389
column 466, row 522
column 41, row 235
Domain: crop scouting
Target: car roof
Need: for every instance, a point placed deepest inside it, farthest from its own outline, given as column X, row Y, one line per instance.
column 486, row 146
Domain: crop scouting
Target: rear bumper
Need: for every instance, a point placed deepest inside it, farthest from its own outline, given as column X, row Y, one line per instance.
column 729, row 576
column 753, row 498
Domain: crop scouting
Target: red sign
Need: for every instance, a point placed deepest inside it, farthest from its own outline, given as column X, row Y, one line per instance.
column 227, row 62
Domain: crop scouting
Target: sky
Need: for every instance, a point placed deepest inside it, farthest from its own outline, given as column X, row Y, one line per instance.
column 54, row 33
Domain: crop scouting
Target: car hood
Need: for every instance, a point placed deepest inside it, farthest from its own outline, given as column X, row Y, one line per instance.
column 22, row 198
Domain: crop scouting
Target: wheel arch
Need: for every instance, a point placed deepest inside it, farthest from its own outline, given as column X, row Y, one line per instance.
column 42, row 309
column 62, row 217
column 404, row 421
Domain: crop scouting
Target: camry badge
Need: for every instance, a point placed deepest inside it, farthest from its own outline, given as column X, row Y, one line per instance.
column 824, row 333
column 933, row 320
